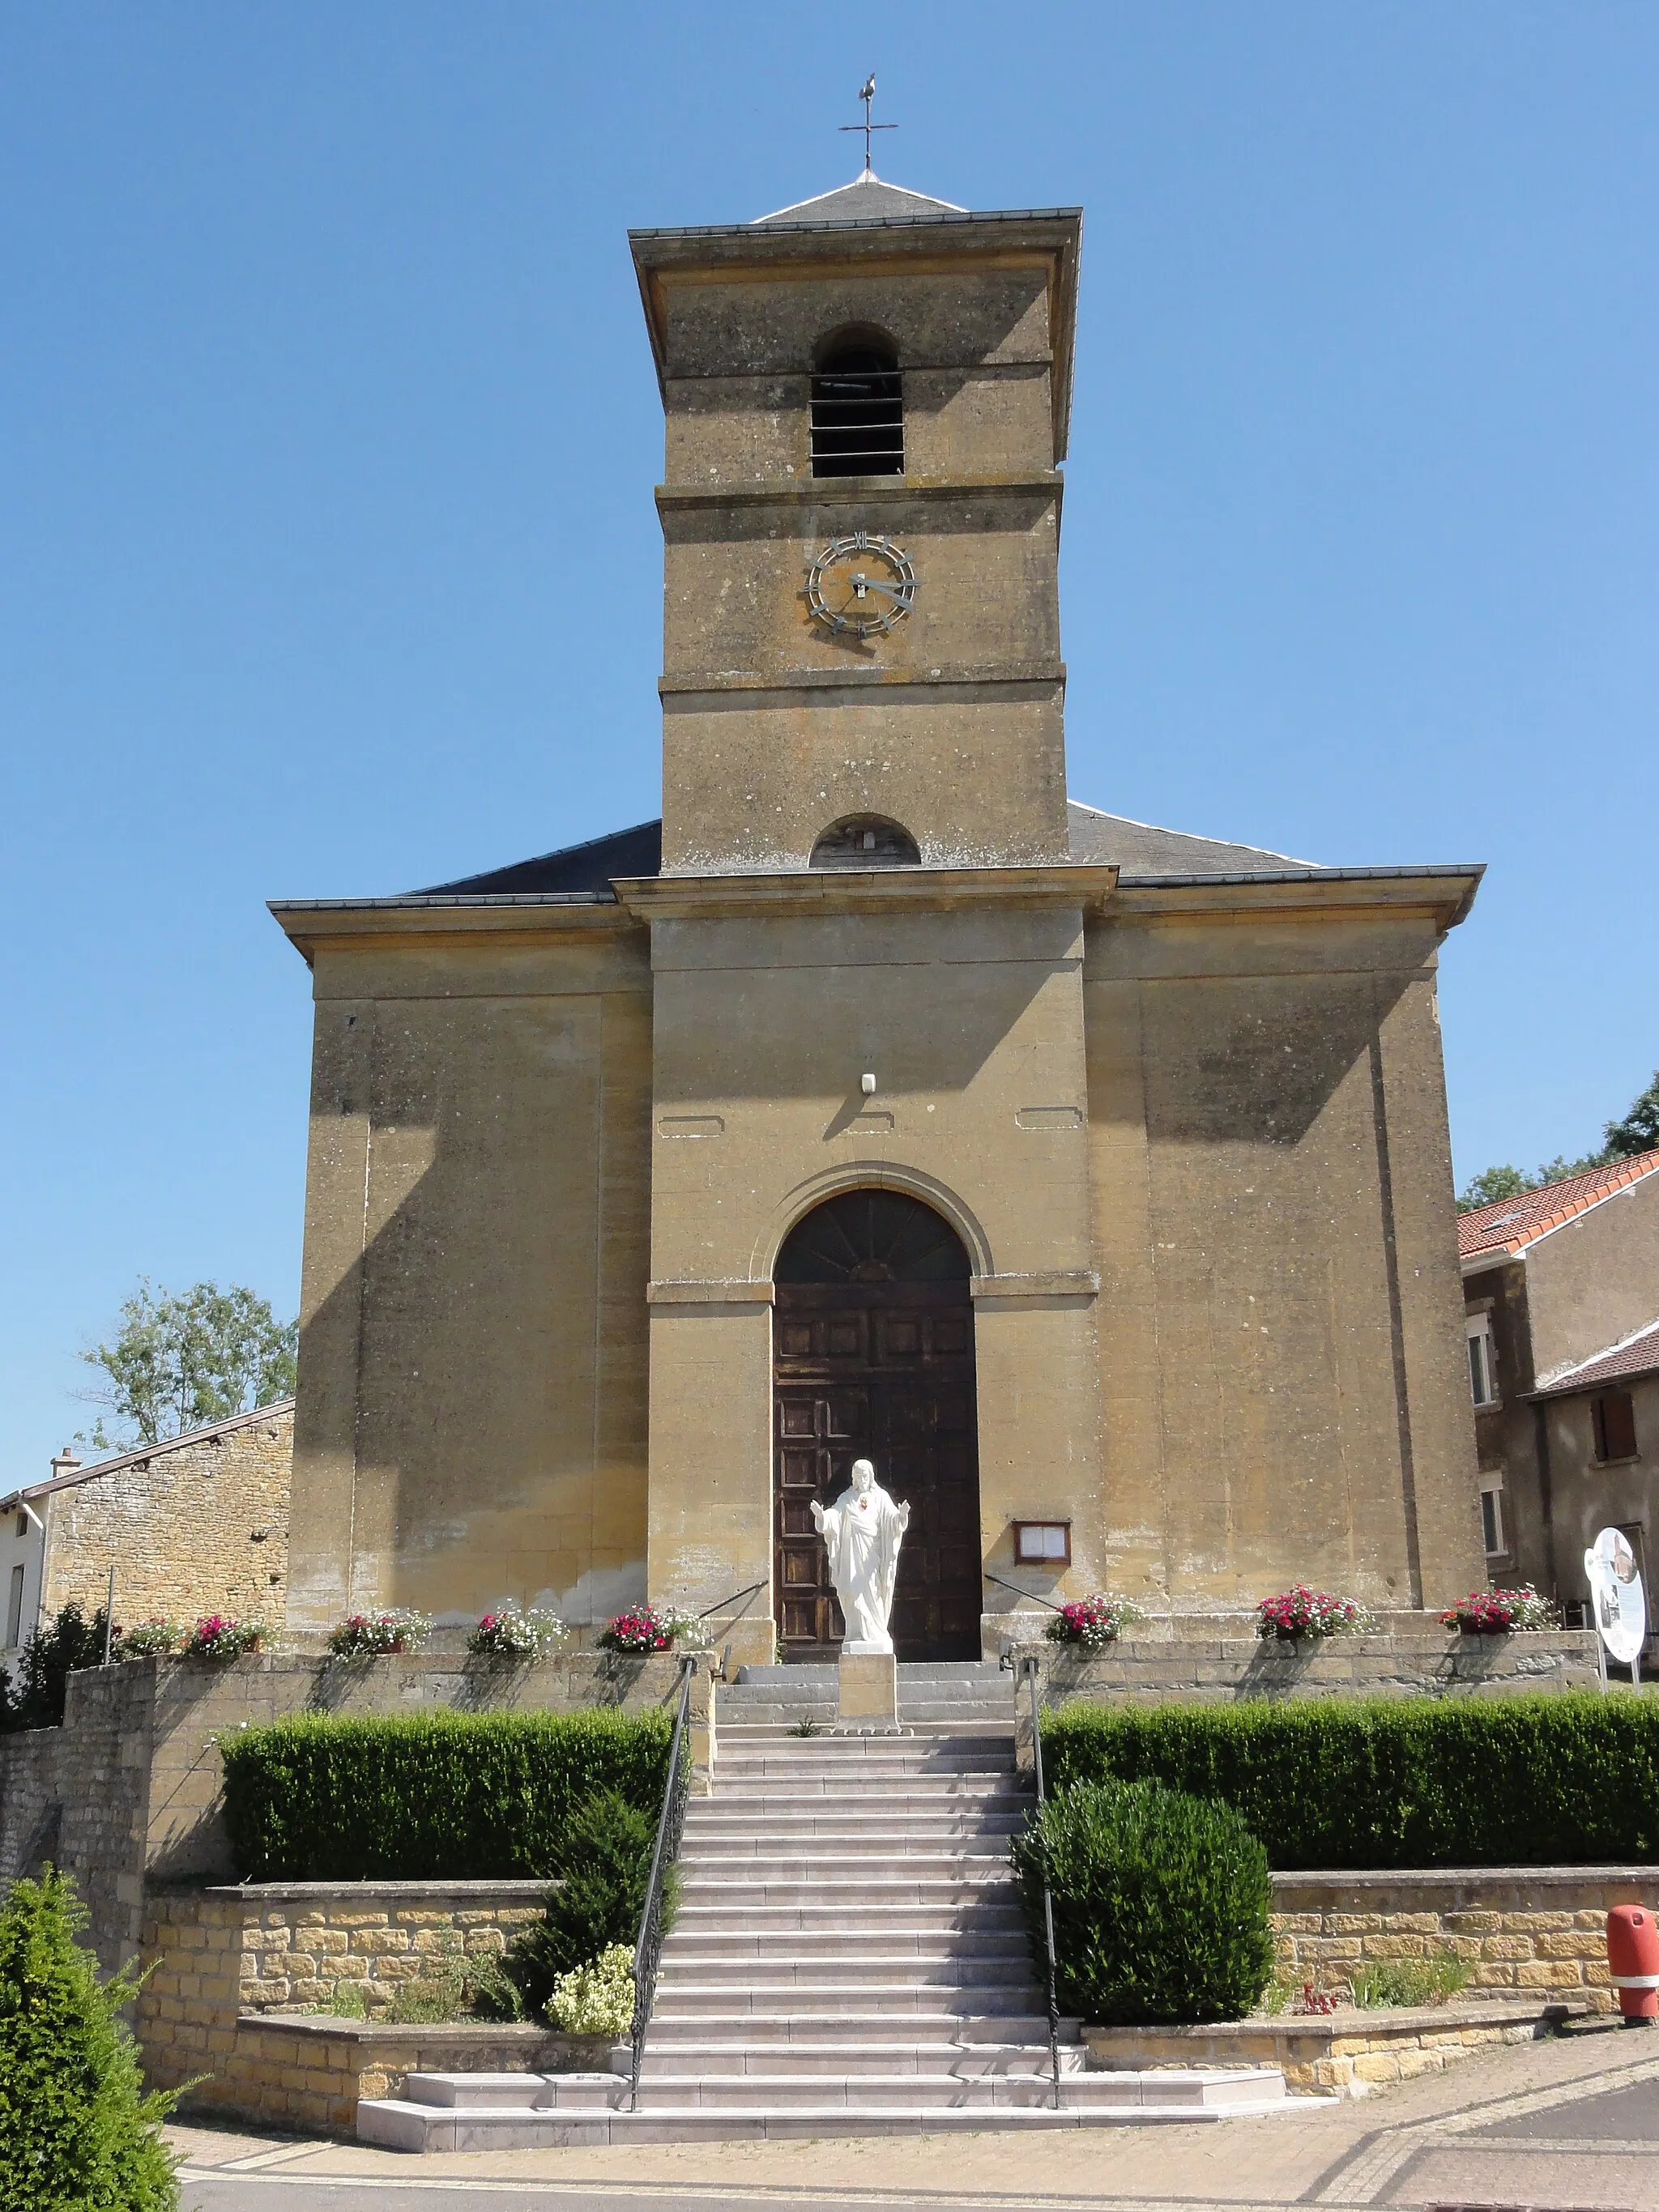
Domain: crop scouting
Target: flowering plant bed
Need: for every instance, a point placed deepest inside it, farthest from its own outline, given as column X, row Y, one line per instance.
column 1092, row 1622
column 366, row 1634
column 148, row 1639
column 642, row 1628
column 1496, row 1612
column 689, row 1631
column 220, row 1638
column 1307, row 1613
column 517, row 1632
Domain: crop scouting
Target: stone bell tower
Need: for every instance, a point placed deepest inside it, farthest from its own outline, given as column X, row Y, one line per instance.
column 866, row 400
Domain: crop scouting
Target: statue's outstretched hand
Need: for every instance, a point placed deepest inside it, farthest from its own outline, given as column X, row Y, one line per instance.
column 904, row 1511
column 818, row 1516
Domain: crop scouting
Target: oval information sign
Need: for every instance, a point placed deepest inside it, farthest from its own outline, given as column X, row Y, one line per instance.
column 1621, row 1613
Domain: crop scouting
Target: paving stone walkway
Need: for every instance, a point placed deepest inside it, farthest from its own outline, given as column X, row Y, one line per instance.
column 1570, row 2125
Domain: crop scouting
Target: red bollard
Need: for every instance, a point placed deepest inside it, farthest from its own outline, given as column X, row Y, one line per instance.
column 1634, row 1964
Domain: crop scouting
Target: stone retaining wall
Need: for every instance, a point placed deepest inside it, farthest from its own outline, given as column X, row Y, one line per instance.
column 1532, row 1929
column 308, row 2074
column 217, row 1953
column 1350, row 2052
column 129, row 1791
column 1145, row 1670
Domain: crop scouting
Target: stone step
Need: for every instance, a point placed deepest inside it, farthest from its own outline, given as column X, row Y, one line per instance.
column 680, row 2062
column 801, row 1863
column 834, row 1994
column 1006, row 1940
column 739, row 1894
column 981, row 1916
column 867, row 1830
column 515, row 2093
column 909, row 1670
column 737, row 1797
column 900, row 1792
column 913, row 1716
column 917, row 1969
column 777, row 2026
column 718, row 1816
column 815, row 1762
column 402, row 2124
column 785, row 2093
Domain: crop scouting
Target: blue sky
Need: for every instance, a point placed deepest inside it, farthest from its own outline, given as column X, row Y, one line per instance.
column 328, row 561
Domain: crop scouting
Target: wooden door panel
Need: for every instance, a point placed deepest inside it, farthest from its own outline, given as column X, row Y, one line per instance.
column 883, row 1372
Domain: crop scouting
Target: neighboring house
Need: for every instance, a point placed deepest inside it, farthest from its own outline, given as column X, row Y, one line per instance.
column 195, row 1525
column 1561, row 1299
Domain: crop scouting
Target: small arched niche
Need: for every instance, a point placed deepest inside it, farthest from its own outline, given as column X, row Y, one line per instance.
column 858, row 406
column 866, row 840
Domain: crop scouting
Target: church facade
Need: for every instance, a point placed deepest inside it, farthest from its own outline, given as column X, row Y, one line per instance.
column 1090, row 1179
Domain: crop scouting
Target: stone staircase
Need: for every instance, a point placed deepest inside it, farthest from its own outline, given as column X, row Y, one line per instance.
column 849, row 1958
column 959, row 1693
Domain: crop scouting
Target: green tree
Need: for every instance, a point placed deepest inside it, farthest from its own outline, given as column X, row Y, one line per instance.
column 181, row 1362
column 77, row 2134
column 49, row 1657
column 1638, row 1131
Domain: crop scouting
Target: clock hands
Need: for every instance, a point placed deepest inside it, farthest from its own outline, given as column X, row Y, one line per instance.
column 901, row 592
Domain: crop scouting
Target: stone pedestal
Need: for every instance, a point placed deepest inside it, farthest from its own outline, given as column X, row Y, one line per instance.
column 868, row 1688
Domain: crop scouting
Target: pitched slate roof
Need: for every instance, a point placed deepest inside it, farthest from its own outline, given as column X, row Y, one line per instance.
column 1508, row 1225
column 1632, row 1355
column 1144, row 852
column 589, row 868
column 1140, row 849
column 866, row 200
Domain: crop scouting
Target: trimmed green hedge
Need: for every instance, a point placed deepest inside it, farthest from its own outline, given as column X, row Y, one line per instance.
column 1565, row 1778
column 1161, row 1904
column 429, row 1796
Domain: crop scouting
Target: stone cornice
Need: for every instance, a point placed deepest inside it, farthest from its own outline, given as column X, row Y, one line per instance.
column 809, row 891
column 1046, row 673
column 810, row 493
column 528, row 916
column 1444, row 893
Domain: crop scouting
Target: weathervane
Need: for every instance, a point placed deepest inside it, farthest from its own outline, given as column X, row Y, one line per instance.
column 867, row 126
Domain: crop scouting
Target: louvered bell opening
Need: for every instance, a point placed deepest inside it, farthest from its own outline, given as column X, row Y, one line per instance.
column 857, row 416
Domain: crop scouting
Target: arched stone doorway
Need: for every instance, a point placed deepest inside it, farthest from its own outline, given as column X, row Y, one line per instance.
column 873, row 1357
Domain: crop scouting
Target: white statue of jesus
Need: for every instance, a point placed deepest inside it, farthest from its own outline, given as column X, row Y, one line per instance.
column 862, row 1533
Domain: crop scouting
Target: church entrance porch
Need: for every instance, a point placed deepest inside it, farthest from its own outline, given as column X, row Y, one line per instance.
column 873, row 1359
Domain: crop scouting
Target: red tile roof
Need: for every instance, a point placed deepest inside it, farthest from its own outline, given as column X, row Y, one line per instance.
column 1636, row 1355
column 1510, row 1225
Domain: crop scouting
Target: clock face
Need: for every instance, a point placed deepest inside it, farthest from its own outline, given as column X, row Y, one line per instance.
column 860, row 585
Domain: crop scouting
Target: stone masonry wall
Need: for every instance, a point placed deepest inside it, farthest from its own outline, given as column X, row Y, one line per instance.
column 135, row 1781
column 1521, row 1929
column 230, row 1970
column 1417, row 1659
column 29, row 1798
column 191, row 1530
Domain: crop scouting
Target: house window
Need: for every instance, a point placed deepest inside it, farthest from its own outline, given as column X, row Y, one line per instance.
column 1612, row 1424
column 14, row 1609
column 858, row 409
column 1483, row 1360
column 1491, row 1519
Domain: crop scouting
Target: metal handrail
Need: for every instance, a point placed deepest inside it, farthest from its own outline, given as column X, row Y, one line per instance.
column 1031, row 1667
column 671, row 1825
column 753, row 1591
column 1036, row 1596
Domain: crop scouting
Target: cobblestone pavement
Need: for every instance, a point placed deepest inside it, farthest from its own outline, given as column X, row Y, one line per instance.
column 1570, row 2125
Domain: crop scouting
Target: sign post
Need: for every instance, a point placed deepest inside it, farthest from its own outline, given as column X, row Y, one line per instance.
column 1621, row 1605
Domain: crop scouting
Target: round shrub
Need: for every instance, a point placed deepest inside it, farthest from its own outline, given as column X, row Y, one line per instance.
column 1161, row 1904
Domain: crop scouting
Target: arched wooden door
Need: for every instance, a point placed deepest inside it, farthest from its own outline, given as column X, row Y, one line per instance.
column 873, row 1359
